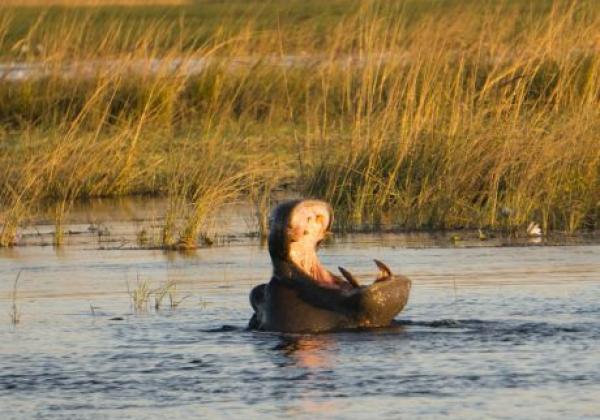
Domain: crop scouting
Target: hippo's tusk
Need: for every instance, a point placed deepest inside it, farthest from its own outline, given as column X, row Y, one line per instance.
column 348, row 276
column 384, row 270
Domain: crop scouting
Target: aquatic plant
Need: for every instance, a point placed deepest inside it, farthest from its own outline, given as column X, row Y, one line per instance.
column 140, row 295
column 15, row 314
column 168, row 289
column 143, row 294
column 142, row 237
column 162, row 292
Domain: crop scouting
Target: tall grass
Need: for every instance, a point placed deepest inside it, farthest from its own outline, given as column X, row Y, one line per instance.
column 420, row 114
column 451, row 136
column 91, row 3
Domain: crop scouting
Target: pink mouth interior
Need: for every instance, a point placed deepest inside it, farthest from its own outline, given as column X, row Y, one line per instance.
column 307, row 227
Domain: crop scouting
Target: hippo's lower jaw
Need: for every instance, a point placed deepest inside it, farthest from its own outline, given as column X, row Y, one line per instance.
column 303, row 296
column 282, row 307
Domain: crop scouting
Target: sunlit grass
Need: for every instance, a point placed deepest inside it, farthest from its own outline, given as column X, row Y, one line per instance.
column 142, row 295
column 91, row 3
column 169, row 289
column 422, row 115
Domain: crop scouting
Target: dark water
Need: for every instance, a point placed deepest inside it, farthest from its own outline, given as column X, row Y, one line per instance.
column 489, row 332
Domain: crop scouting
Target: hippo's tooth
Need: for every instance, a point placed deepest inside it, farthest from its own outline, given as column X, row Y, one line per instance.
column 348, row 276
column 384, row 270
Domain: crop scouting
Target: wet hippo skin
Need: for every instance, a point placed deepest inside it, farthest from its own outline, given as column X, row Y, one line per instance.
column 303, row 296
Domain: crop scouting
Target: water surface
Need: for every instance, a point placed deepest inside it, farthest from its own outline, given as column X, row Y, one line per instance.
column 490, row 331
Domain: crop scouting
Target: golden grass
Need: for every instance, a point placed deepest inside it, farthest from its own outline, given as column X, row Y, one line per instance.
column 92, row 3
column 142, row 294
column 467, row 115
column 454, row 137
column 169, row 289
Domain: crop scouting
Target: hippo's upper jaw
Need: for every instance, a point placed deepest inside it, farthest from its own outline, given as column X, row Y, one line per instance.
column 302, row 295
column 297, row 229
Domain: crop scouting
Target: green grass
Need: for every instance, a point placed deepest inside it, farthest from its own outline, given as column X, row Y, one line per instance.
column 451, row 114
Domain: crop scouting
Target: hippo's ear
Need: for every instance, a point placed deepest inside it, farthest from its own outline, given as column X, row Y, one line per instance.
column 384, row 271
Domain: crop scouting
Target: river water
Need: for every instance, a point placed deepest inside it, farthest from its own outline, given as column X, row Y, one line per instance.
column 490, row 331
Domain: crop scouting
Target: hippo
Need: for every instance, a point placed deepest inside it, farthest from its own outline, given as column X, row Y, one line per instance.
column 303, row 296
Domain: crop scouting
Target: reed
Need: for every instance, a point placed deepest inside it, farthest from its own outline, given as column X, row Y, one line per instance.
column 15, row 313
column 260, row 196
column 143, row 294
column 140, row 295
column 168, row 290
column 414, row 114
column 161, row 293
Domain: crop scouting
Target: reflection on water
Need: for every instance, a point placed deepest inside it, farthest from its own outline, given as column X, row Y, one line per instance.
column 308, row 355
column 21, row 71
column 307, row 351
column 489, row 332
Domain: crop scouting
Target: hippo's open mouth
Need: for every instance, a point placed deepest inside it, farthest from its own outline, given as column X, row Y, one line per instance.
column 308, row 225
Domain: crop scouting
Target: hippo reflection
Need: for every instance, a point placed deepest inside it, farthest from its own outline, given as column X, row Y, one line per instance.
column 303, row 296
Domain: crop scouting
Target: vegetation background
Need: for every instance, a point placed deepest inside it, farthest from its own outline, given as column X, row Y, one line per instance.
column 415, row 113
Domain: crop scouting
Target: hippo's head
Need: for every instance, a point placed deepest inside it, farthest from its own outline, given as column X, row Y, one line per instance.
column 303, row 295
column 297, row 229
